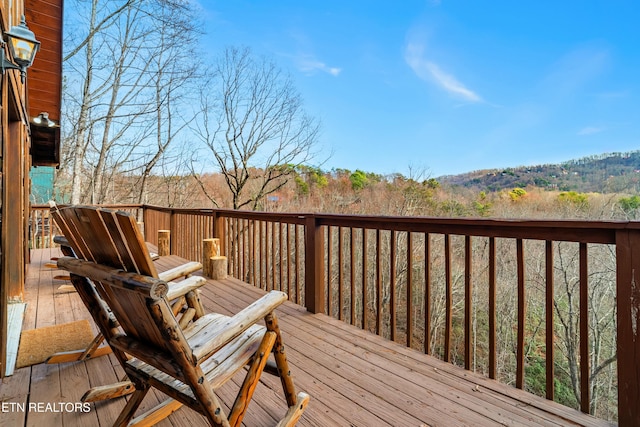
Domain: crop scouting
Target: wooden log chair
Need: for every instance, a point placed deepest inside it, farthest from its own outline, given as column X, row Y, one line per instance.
column 188, row 363
column 181, row 304
column 184, row 295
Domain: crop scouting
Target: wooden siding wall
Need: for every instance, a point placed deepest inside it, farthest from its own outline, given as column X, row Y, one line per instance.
column 16, row 143
column 44, row 18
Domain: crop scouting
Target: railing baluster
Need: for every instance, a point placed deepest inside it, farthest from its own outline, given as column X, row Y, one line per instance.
column 340, row 276
column 288, row 237
column 246, row 249
column 329, row 270
column 427, row 293
column 279, row 247
column 365, row 269
column 174, row 230
column 468, row 303
column 392, row 288
column 584, row 330
column 409, row 327
column 273, row 256
column 242, row 249
column 378, row 286
column 492, row 307
column 237, row 251
column 297, row 252
column 263, row 255
column 267, row 276
column 550, row 330
column 352, row 273
column 521, row 315
column 254, row 254
column 448, row 298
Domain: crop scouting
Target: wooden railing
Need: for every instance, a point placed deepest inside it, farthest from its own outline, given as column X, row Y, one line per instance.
column 458, row 289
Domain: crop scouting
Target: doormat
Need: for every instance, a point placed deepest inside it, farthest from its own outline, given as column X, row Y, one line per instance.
column 37, row 345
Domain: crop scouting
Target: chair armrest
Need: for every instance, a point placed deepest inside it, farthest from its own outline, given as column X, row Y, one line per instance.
column 179, row 289
column 179, row 271
column 206, row 342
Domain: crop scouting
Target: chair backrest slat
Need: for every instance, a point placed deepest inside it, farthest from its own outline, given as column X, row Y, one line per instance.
column 112, row 228
column 106, row 237
column 71, row 234
column 131, row 235
column 91, row 230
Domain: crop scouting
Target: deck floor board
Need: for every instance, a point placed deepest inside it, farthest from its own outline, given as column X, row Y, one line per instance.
column 355, row 378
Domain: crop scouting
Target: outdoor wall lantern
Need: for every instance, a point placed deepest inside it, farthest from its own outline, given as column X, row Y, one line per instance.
column 22, row 47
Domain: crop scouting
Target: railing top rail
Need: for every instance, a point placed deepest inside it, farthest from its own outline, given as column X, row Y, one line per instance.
column 293, row 218
column 539, row 229
column 551, row 229
column 103, row 205
column 548, row 229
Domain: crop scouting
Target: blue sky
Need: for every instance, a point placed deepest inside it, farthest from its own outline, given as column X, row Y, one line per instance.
column 451, row 86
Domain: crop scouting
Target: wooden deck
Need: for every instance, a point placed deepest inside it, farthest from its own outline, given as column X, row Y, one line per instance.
column 354, row 378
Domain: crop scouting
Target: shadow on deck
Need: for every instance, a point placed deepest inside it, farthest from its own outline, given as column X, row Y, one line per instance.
column 354, row 378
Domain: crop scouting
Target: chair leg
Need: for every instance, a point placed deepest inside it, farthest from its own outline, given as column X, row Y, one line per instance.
column 281, row 361
column 297, row 402
column 156, row 414
column 92, row 351
column 132, row 405
column 89, row 352
column 295, row 412
column 110, row 391
column 251, row 379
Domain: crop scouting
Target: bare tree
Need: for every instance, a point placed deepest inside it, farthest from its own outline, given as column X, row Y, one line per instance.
column 175, row 69
column 123, row 77
column 254, row 125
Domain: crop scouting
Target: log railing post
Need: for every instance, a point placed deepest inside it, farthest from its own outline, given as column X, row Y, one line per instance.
column 628, row 299
column 218, row 231
column 164, row 242
column 207, row 252
column 314, row 265
column 213, row 264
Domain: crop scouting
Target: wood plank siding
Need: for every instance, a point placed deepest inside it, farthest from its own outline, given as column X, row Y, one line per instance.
column 354, row 377
column 20, row 143
column 44, row 18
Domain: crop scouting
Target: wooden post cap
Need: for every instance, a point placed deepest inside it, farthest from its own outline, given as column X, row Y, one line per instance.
column 218, row 267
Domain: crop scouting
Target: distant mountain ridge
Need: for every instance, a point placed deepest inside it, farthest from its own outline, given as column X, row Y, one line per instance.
column 604, row 173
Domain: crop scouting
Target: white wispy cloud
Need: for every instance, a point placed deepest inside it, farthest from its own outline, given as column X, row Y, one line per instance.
column 590, row 130
column 309, row 64
column 450, row 83
column 431, row 72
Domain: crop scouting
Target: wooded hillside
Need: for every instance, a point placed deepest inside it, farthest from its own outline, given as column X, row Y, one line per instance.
column 604, row 173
